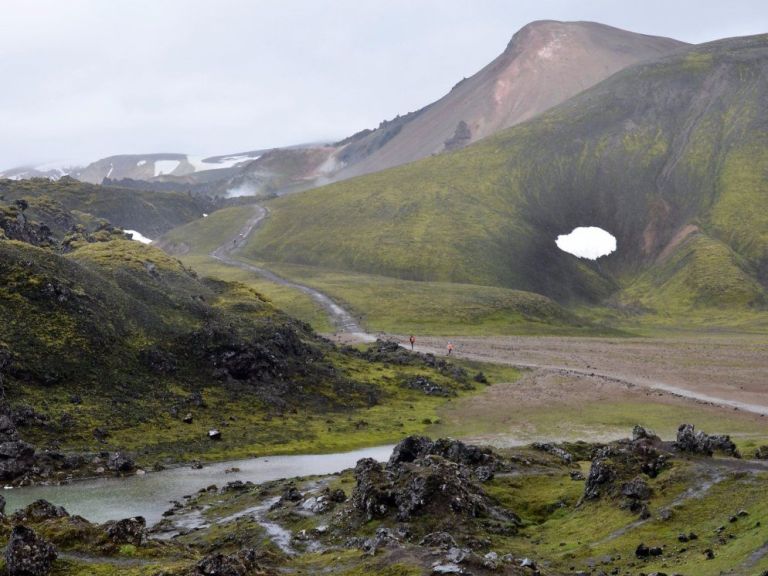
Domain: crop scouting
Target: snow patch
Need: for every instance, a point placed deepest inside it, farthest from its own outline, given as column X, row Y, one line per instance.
column 138, row 236
column 588, row 242
column 111, row 169
column 165, row 167
column 141, row 163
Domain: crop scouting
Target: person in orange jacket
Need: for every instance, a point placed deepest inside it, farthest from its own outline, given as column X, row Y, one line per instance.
column 412, row 340
column 450, row 348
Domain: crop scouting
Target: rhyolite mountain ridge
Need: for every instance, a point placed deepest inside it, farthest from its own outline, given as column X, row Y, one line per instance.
column 669, row 156
column 545, row 63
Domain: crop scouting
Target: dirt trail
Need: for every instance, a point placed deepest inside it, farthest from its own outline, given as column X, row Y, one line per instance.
column 343, row 320
column 726, row 373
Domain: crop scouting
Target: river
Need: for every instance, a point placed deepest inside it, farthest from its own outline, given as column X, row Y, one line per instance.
column 102, row 499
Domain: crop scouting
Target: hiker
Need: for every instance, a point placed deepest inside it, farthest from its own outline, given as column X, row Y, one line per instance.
column 412, row 340
column 450, row 348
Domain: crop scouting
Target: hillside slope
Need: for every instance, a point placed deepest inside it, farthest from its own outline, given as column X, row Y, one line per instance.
column 657, row 150
column 151, row 213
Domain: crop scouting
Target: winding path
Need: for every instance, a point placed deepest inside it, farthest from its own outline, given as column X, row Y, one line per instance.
column 341, row 318
column 347, row 325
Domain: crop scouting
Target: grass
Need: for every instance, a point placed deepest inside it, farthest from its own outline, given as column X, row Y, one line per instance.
column 194, row 242
column 248, row 430
column 390, row 305
column 511, row 419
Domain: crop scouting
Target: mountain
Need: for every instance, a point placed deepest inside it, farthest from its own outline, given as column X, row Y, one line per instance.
column 669, row 156
column 544, row 64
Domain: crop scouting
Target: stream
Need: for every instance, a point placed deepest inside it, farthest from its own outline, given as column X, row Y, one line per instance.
column 102, row 499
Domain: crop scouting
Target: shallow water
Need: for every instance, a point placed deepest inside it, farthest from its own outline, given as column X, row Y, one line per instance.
column 150, row 495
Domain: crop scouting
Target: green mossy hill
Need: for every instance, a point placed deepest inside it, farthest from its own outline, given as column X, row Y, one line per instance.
column 116, row 346
column 653, row 149
column 60, row 203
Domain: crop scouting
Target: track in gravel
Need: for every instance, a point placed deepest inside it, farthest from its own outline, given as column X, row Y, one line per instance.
column 342, row 319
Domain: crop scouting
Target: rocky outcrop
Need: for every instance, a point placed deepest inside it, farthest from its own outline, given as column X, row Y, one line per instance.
column 373, row 494
column 425, row 385
column 617, row 469
column 688, row 440
column 27, row 554
column 426, row 479
column 553, row 449
column 241, row 563
column 128, row 531
column 39, row 511
column 16, row 456
column 601, row 476
column 415, row 447
column 461, row 137
column 119, row 462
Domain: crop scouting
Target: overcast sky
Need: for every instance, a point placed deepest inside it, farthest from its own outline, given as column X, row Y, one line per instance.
column 83, row 79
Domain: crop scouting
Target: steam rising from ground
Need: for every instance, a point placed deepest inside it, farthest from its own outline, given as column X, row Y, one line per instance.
column 587, row 242
column 241, row 190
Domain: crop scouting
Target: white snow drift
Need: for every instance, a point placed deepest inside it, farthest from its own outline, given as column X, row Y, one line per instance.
column 588, row 242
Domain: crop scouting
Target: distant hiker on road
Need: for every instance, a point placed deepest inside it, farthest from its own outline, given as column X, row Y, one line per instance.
column 450, row 348
column 412, row 340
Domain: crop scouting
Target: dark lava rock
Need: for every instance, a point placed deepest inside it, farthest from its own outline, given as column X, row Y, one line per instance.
column 384, row 538
column 338, row 496
column 128, row 531
column 601, row 476
column 417, row 482
column 577, row 475
column 484, row 473
column 761, row 453
column 119, row 462
column 241, row 563
column 38, row 511
column 438, row 540
column 292, row 494
column 100, row 434
column 373, row 494
column 439, row 486
column 640, row 433
column 636, row 489
column 618, row 464
column 214, row 434
column 187, row 418
column 415, row 447
column 27, row 554
column 2, row 506
column 8, row 432
column 643, row 551
column 428, row 387
column 688, row 440
column 16, row 459
column 480, row 378
column 553, row 449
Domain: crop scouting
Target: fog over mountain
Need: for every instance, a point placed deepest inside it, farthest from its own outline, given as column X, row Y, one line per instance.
column 87, row 79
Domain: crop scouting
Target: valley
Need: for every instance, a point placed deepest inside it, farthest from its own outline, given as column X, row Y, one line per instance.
column 520, row 330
